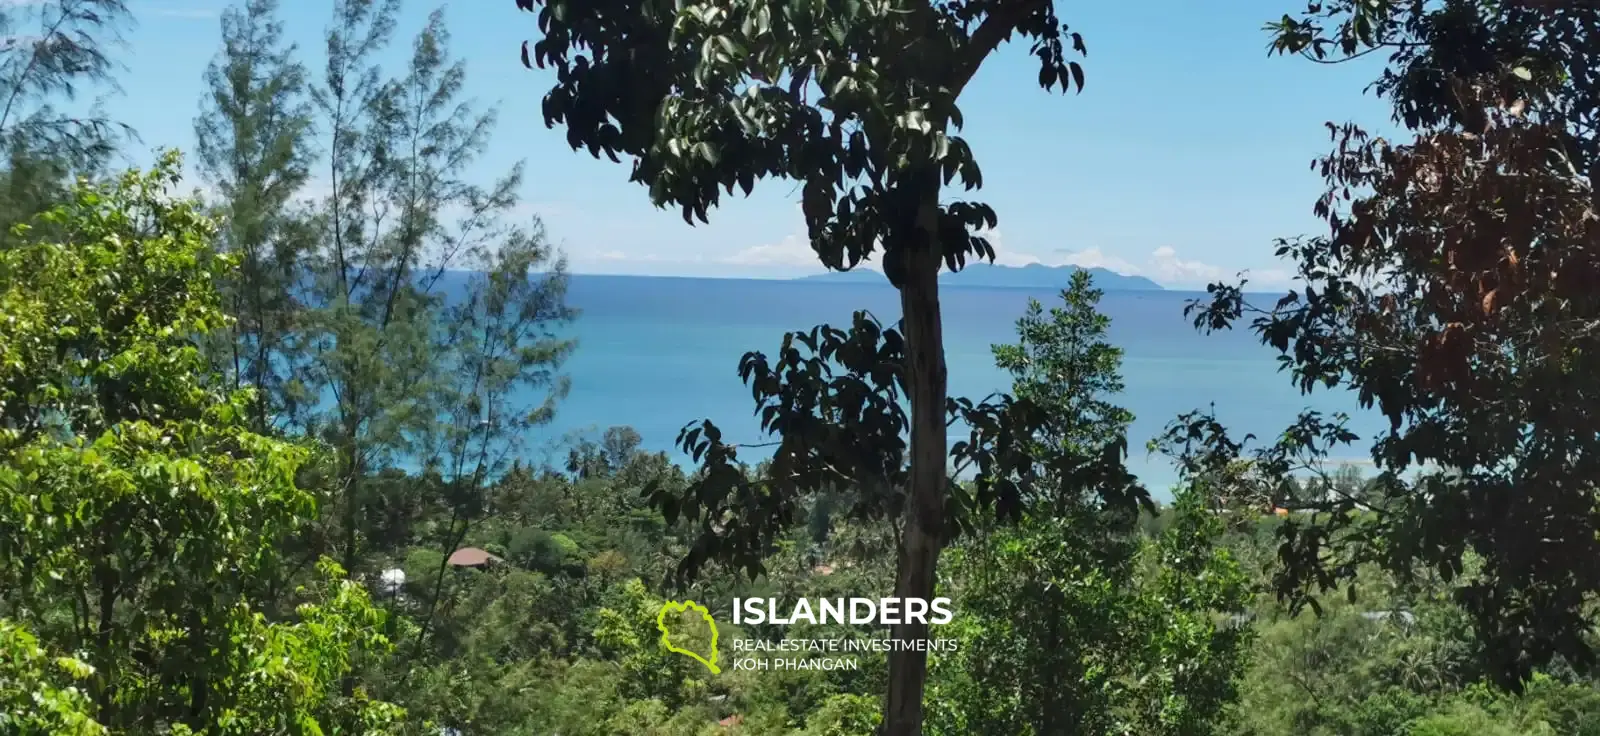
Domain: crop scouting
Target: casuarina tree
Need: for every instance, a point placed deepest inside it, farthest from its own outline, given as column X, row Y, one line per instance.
column 252, row 136
column 55, row 52
column 856, row 101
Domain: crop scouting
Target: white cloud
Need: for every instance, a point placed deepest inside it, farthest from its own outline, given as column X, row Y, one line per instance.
column 1002, row 256
column 618, row 256
column 794, row 250
column 1096, row 258
column 1165, row 266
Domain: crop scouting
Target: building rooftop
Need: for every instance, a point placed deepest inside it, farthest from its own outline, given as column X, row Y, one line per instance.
column 471, row 557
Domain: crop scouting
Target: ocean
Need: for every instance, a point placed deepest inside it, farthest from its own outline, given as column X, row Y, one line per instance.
column 655, row 353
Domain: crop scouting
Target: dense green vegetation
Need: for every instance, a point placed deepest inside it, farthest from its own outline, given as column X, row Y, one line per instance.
column 244, row 433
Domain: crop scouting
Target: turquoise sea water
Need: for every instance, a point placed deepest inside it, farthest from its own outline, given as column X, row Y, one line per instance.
column 656, row 353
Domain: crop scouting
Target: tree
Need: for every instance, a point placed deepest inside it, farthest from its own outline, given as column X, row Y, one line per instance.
column 1069, row 621
column 40, row 693
column 140, row 515
column 500, row 340
column 856, row 101
column 432, row 316
column 50, row 51
column 365, row 424
column 1452, row 292
column 1064, row 366
column 253, row 135
column 407, row 319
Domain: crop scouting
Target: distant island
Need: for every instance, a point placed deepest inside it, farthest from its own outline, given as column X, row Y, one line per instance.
column 1033, row 275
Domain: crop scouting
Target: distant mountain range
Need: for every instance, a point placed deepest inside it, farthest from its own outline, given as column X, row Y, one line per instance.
column 1033, row 275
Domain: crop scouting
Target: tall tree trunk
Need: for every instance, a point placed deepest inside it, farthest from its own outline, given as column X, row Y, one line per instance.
column 922, row 536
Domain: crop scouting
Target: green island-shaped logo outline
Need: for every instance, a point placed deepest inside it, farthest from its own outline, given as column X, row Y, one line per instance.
column 666, row 637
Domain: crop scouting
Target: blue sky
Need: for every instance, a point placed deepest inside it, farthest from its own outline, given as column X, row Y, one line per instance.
column 1187, row 153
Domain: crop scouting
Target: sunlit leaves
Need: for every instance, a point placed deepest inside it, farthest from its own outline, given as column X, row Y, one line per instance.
column 41, row 695
column 140, row 517
column 1057, row 442
column 627, row 631
column 144, row 369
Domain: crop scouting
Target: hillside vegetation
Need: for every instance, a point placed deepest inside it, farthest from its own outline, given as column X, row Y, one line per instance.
column 265, row 469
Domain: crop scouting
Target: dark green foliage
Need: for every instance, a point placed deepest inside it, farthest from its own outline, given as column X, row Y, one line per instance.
column 856, row 102
column 1451, row 293
column 840, row 427
column 345, row 329
column 833, row 398
column 164, row 545
column 1065, row 363
column 561, row 638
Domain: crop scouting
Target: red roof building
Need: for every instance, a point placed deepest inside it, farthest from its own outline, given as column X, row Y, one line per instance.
column 471, row 557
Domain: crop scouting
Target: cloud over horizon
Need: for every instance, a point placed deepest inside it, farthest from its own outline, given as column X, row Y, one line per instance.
column 1163, row 265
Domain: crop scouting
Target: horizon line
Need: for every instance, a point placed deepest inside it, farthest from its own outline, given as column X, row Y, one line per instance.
column 1174, row 289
